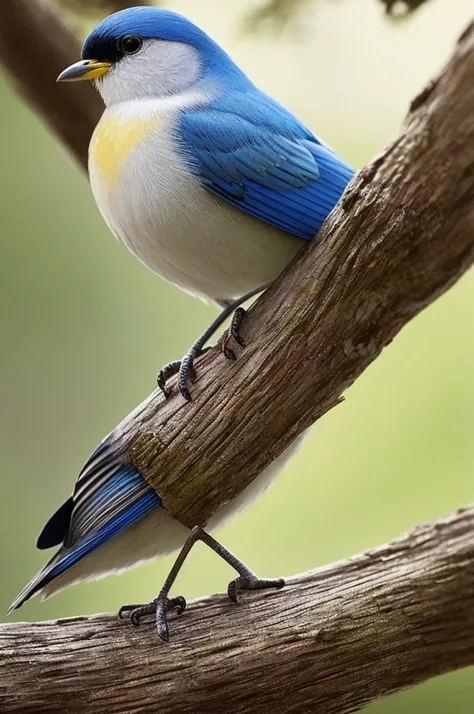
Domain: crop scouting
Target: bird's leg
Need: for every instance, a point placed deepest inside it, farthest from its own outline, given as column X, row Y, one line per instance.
column 162, row 604
column 185, row 367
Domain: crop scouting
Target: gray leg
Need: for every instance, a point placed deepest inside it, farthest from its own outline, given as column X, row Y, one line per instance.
column 162, row 604
column 185, row 367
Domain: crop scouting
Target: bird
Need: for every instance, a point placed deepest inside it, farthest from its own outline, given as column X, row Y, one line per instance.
column 115, row 520
column 210, row 182
column 215, row 187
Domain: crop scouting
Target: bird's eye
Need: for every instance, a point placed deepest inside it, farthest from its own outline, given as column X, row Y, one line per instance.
column 130, row 44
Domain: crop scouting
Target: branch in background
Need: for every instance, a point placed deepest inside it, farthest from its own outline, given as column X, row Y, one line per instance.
column 274, row 13
column 331, row 642
column 278, row 13
column 401, row 8
column 35, row 46
column 103, row 7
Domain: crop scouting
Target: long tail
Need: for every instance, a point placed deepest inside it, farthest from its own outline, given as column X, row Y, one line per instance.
column 109, row 497
column 35, row 585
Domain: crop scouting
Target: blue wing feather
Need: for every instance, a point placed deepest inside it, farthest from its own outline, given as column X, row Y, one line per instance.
column 250, row 151
column 109, row 496
column 112, row 526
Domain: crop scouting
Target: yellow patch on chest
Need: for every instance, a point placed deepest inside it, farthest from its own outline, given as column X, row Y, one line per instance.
column 113, row 140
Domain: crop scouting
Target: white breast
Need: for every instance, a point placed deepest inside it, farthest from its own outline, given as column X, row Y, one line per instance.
column 157, row 207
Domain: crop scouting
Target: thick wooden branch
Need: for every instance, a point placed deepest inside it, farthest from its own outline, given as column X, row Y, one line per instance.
column 336, row 639
column 331, row 642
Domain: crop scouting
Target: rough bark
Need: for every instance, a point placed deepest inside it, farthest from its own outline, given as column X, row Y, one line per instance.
column 332, row 641
column 338, row 638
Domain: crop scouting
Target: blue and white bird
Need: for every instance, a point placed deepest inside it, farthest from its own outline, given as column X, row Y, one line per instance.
column 209, row 181
column 215, row 187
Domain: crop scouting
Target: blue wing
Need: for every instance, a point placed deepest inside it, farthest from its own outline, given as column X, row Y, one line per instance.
column 250, row 151
column 108, row 497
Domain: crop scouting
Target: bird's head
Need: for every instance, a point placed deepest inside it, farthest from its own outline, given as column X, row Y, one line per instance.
column 147, row 52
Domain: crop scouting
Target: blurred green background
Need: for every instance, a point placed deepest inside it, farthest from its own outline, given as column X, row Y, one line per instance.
column 85, row 327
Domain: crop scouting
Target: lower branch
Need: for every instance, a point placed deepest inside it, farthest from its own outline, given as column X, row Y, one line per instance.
column 332, row 641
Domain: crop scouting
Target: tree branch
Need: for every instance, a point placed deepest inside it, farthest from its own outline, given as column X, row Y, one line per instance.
column 101, row 6
column 281, row 12
column 402, row 235
column 331, row 642
column 408, row 5
column 35, row 46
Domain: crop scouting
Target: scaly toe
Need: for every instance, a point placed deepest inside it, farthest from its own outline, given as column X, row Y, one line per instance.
column 234, row 334
column 163, row 606
column 165, row 374
column 136, row 612
column 251, row 582
column 125, row 610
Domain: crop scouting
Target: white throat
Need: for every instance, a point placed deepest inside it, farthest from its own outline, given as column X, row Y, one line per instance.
column 160, row 69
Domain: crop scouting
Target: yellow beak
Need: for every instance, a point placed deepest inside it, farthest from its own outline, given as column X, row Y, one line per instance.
column 85, row 69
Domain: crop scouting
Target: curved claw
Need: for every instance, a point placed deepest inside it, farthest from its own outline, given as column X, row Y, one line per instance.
column 158, row 607
column 179, row 604
column 163, row 630
column 228, row 353
column 232, row 591
column 164, row 606
column 184, row 368
column 135, row 616
column 168, row 371
column 137, row 611
column 126, row 609
column 234, row 334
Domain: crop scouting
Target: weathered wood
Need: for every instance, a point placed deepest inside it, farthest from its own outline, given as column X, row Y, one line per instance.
column 340, row 637
column 330, row 642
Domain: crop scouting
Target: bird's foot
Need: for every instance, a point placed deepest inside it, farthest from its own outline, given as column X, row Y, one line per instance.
column 233, row 333
column 250, row 581
column 184, row 368
column 159, row 607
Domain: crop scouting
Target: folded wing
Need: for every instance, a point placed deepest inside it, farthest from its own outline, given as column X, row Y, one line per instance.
column 258, row 157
